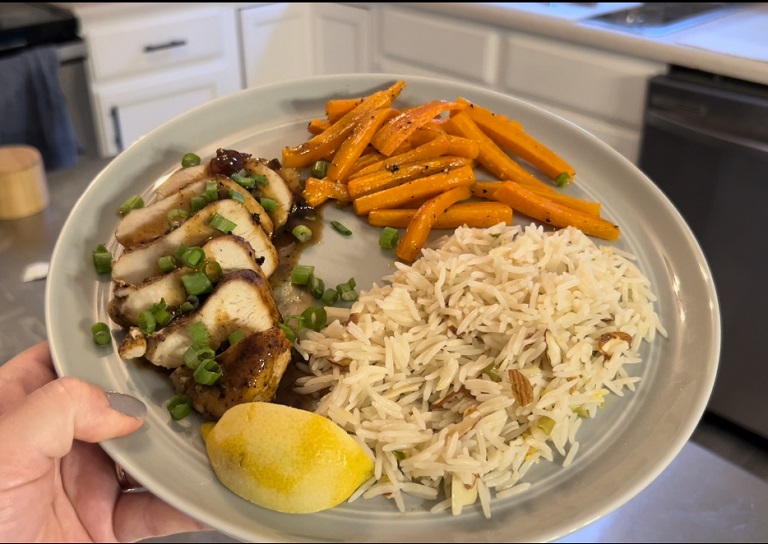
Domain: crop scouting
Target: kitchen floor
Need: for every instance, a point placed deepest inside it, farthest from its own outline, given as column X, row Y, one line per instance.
column 25, row 326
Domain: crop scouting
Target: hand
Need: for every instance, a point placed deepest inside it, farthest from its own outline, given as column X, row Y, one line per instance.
column 56, row 483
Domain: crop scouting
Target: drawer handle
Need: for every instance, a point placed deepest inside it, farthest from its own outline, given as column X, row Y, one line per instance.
column 167, row 45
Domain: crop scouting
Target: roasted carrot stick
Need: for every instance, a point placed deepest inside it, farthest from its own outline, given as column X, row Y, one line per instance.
column 317, row 191
column 351, row 148
column 398, row 129
column 430, row 150
column 541, row 208
column 491, row 155
column 417, row 232
column 471, row 214
column 337, row 108
column 397, row 197
column 317, row 126
column 326, row 143
column 511, row 136
column 384, row 179
column 485, row 189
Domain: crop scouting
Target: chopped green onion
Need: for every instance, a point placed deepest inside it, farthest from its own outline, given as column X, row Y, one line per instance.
column 243, row 181
column 302, row 233
column 198, row 332
column 289, row 332
column 176, row 217
column 100, row 333
column 341, row 228
column 330, row 296
column 147, row 322
column 260, row 180
column 316, row 286
column 180, row 251
column 301, row 274
column 320, row 169
column 237, row 197
column 195, row 354
column 197, row 203
column 192, row 303
column 268, row 204
column 235, row 337
column 349, row 296
column 347, row 291
column 562, row 179
column 197, row 283
column 490, row 371
column 166, row 263
column 221, row 223
column 212, row 269
column 388, row 238
column 162, row 317
column 314, row 317
column 580, row 411
column 546, row 424
column 102, row 259
column 190, row 159
column 207, row 372
column 211, row 191
column 179, row 407
column 192, row 257
column 132, row 203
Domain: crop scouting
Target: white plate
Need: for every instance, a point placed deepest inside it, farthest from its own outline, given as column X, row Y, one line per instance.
column 622, row 450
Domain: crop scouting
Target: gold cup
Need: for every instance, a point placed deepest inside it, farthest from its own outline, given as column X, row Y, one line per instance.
column 23, row 186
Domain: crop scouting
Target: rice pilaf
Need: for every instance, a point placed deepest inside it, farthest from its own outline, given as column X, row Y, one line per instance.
column 466, row 368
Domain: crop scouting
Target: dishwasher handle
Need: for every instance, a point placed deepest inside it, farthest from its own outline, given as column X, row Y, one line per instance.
column 684, row 129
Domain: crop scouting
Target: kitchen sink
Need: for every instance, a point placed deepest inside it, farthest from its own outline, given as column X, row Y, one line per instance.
column 659, row 18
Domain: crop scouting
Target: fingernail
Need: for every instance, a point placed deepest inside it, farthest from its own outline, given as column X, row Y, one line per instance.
column 126, row 404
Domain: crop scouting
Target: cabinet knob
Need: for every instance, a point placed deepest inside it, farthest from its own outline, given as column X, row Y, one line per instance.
column 166, row 45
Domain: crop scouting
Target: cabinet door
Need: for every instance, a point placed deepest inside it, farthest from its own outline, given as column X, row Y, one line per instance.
column 341, row 39
column 126, row 114
column 276, row 43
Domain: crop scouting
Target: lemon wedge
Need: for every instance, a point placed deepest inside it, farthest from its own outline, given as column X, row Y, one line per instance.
column 284, row 458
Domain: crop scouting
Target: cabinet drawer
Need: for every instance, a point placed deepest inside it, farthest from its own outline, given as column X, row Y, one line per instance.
column 140, row 44
column 601, row 83
column 457, row 48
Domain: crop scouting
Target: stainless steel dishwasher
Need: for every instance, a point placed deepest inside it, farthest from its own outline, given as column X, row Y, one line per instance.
column 705, row 145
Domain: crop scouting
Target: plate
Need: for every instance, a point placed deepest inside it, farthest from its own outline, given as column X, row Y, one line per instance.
column 632, row 440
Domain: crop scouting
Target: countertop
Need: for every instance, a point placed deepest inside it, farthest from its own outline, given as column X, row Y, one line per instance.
column 700, row 497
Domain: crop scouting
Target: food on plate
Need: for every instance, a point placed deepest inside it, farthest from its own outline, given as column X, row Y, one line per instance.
column 284, row 458
column 477, row 358
column 482, row 358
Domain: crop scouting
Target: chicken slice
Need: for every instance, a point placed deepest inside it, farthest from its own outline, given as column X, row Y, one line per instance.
column 140, row 262
column 150, row 222
column 128, row 301
column 250, row 371
column 242, row 301
column 276, row 189
column 181, row 178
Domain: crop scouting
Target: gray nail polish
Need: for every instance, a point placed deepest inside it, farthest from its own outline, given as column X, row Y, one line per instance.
column 126, row 404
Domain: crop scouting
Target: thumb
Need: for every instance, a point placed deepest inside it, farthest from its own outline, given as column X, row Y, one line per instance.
column 45, row 424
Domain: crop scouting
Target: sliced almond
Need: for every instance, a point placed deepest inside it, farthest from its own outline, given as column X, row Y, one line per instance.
column 604, row 339
column 521, row 387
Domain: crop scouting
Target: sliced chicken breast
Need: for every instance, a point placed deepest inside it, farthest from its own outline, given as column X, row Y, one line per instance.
column 140, row 262
column 181, row 178
column 150, row 222
column 242, row 301
column 128, row 301
column 251, row 371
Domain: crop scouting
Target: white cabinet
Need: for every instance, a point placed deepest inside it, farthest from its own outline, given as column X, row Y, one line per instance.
column 151, row 62
column 601, row 91
column 287, row 41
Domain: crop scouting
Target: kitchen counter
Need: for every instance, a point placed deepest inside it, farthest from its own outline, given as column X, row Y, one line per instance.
column 732, row 45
